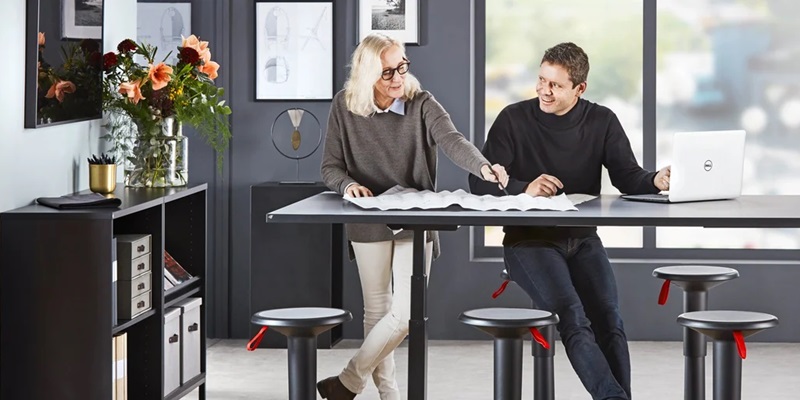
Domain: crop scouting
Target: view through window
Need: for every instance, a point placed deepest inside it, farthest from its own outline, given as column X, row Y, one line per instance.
column 610, row 31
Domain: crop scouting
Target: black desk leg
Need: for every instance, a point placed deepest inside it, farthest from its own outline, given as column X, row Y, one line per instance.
column 418, row 324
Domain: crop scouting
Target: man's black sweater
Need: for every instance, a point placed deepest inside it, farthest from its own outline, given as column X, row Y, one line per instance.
column 572, row 147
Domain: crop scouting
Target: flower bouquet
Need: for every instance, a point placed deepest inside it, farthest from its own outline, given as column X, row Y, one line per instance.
column 158, row 98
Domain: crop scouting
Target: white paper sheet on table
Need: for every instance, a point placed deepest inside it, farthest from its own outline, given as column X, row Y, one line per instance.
column 398, row 198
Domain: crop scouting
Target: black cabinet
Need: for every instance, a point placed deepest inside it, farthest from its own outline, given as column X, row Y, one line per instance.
column 293, row 265
column 56, row 295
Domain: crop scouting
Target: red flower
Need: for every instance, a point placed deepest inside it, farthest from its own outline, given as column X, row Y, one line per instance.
column 109, row 60
column 126, row 46
column 189, row 55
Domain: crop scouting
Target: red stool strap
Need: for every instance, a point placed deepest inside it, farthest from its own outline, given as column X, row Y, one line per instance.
column 537, row 336
column 664, row 294
column 500, row 290
column 737, row 336
column 253, row 343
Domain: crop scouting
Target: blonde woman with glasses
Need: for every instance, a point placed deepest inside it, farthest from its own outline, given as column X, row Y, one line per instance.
column 384, row 130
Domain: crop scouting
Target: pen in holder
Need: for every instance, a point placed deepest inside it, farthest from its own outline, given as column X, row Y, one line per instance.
column 102, row 174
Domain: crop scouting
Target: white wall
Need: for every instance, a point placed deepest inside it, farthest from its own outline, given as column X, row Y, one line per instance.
column 45, row 161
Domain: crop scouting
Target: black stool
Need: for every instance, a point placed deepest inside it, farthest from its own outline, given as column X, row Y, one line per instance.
column 301, row 326
column 728, row 330
column 508, row 326
column 696, row 281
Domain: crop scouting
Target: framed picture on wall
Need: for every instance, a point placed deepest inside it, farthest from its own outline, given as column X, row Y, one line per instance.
column 396, row 18
column 82, row 19
column 294, row 50
column 164, row 25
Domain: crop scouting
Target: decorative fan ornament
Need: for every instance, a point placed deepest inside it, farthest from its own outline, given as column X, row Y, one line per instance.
column 296, row 115
column 288, row 130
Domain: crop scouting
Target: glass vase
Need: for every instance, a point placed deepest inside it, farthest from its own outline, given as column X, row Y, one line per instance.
column 159, row 156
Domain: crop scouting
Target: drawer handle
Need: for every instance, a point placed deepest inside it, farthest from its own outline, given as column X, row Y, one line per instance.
column 140, row 248
column 141, row 286
column 193, row 327
column 140, row 304
column 173, row 339
column 140, row 267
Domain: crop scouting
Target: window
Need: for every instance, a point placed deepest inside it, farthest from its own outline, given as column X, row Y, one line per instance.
column 732, row 65
column 610, row 31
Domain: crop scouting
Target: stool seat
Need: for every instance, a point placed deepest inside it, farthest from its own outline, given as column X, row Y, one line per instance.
column 301, row 320
column 508, row 326
column 301, row 326
column 728, row 330
column 719, row 323
column 696, row 277
column 507, row 321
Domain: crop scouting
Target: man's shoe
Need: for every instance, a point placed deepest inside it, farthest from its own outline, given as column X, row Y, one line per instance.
column 333, row 389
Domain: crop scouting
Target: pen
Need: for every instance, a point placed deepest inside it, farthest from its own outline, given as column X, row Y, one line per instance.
column 498, row 182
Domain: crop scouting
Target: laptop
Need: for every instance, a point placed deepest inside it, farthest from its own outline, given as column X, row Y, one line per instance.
column 706, row 165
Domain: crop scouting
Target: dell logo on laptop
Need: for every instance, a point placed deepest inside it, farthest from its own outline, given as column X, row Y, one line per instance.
column 708, row 165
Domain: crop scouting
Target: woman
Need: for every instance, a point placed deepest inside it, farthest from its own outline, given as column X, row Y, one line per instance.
column 383, row 131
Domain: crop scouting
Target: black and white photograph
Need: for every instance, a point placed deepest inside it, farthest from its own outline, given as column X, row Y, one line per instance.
column 164, row 25
column 396, row 18
column 294, row 50
column 81, row 19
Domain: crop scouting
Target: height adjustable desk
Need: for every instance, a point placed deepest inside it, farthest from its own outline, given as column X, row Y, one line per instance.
column 606, row 210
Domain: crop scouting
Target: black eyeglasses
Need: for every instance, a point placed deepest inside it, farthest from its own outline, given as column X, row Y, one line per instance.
column 401, row 69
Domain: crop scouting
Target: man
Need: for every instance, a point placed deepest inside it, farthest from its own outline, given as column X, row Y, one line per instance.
column 560, row 142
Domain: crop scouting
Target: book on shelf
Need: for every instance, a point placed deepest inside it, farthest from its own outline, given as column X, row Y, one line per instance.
column 173, row 270
column 120, row 367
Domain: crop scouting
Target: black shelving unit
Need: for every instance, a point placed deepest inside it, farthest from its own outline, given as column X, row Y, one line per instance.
column 56, row 327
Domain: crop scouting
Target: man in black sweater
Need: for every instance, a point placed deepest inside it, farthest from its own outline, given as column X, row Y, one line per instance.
column 557, row 143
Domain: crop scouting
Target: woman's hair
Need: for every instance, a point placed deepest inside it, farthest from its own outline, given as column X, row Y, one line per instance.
column 366, row 69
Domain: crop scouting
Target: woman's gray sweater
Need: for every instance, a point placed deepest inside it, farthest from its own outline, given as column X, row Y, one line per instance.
column 388, row 149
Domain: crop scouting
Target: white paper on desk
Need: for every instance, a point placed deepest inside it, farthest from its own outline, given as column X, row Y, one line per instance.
column 398, row 198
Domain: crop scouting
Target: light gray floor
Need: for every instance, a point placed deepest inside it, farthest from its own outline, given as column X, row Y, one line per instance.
column 463, row 370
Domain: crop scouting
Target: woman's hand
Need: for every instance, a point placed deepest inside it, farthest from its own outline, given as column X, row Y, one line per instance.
column 496, row 173
column 356, row 190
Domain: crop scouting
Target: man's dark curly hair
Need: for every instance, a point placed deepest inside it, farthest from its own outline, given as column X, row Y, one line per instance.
column 571, row 57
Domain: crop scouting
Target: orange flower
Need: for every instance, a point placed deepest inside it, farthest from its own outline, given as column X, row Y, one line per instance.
column 199, row 45
column 59, row 89
column 210, row 68
column 41, row 39
column 159, row 75
column 133, row 90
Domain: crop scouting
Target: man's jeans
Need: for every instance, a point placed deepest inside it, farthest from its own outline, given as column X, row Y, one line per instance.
column 573, row 278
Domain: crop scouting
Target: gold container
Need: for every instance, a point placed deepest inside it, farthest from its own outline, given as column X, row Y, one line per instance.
column 102, row 178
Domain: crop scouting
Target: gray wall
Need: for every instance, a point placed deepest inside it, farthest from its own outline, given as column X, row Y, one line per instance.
column 442, row 62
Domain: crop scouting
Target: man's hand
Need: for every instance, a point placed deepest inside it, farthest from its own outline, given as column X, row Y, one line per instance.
column 545, row 185
column 661, row 180
column 495, row 173
column 356, row 190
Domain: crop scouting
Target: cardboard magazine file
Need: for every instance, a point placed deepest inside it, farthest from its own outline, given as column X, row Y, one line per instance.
column 172, row 350
column 190, row 338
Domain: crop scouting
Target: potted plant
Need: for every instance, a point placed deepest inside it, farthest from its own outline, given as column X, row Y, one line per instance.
column 158, row 98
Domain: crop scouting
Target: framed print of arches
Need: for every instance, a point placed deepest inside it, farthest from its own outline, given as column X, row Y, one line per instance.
column 164, row 25
column 294, row 50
